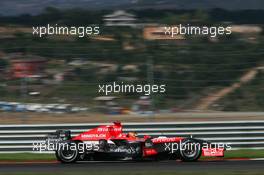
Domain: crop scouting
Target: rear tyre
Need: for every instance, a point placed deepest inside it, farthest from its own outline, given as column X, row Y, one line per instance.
column 190, row 150
column 68, row 152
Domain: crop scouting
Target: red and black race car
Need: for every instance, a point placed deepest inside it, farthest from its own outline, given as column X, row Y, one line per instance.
column 108, row 142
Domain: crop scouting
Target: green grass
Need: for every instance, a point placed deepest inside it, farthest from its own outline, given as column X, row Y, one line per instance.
column 19, row 157
column 245, row 154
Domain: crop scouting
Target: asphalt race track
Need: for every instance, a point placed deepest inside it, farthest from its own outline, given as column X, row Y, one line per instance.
column 164, row 166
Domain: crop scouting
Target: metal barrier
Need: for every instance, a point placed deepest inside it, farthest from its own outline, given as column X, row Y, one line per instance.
column 238, row 134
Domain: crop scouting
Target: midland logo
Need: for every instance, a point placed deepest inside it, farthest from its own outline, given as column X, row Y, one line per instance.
column 93, row 135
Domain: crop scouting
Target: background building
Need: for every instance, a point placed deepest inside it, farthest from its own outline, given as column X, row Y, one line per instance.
column 120, row 18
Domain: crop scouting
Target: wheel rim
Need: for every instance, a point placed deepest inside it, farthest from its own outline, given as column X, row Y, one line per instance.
column 68, row 154
column 190, row 150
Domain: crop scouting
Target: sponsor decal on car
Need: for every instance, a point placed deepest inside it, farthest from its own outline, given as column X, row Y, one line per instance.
column 93, row 135
column 213, row 152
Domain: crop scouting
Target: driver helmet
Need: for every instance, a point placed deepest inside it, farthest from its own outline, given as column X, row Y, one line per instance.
column 132, row 134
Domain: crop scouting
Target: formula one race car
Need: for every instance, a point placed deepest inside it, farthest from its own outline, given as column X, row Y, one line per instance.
column 108, row 142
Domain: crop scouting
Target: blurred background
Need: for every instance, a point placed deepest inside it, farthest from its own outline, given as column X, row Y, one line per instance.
column 61, row 74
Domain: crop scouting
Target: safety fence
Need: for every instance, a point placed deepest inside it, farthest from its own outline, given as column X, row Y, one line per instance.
column 238, row 134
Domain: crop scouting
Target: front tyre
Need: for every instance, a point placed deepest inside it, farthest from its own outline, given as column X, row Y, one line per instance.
column 190, row 150
column 68, row 152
